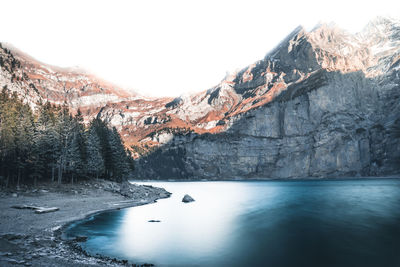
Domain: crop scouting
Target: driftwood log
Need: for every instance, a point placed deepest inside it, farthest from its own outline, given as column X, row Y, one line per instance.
column 38, row 210
column 20, row 207
column 46, row 210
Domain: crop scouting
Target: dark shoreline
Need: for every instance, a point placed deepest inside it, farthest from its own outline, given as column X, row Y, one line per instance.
column 347, row 178
column 73, row 245
column 60, row 233
column 37, row 239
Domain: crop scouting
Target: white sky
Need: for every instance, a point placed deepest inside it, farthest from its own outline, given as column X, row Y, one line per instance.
column 166, row 48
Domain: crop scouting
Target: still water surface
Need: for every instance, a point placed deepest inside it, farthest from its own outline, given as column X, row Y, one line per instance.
column 256, row 223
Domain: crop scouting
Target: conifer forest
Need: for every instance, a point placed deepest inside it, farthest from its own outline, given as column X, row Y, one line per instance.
column 48, row 143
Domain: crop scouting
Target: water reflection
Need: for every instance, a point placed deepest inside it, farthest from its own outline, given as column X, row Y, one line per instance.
column 313, row 223
column 202, row 227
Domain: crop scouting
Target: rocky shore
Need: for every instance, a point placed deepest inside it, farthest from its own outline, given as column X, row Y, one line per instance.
column 31, row 239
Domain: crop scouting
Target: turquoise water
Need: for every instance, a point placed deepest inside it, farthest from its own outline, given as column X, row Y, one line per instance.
column 256, row 223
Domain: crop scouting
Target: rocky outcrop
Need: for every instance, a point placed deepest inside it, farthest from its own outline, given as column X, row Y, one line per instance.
column 129, row 190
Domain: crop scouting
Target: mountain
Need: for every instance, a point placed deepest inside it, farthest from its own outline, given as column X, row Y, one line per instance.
column 35, row 81
column 322, row 103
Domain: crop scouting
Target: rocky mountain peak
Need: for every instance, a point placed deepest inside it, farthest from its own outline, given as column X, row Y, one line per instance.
column 381, row 36
column 382, row 26
column 381, row 32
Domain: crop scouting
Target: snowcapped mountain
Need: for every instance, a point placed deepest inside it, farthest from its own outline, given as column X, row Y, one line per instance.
column 312, row 81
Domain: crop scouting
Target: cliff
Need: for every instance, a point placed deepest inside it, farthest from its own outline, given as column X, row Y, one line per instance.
column 336, row 121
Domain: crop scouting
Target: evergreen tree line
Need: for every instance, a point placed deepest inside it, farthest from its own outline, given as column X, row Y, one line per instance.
column 50, row 144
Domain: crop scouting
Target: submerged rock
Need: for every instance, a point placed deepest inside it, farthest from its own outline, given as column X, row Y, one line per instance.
column 81, row 239
column 187, row 199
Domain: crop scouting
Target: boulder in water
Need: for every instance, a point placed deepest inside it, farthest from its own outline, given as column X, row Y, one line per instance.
column 187, row 199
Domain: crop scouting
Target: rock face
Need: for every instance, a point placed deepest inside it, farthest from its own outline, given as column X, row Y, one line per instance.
column 333, row 116
column 321, row 104
column 187, row 199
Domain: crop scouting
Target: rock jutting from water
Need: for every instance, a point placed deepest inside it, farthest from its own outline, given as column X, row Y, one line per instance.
column 187, row 199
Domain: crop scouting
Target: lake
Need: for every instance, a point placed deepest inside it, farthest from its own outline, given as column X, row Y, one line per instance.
column 255, row 223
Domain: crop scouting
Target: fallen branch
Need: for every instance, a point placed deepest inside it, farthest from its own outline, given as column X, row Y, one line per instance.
column 20, row 207
column 46, row 210
column 38, row 210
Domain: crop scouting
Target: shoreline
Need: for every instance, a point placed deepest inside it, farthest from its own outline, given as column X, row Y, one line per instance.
column 29, row 239
column 74, row 245
column 262, row 179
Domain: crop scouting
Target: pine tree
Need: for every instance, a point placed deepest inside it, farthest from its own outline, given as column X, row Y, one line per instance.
column 65, row 132
column 9, row 128
column 102, row 132
column 82, row 137
column 47, row 141
column 95, row 162
column 120, row 165
column 23, row 140
column 38, row 155
column 72, row 158
column 116, row 165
